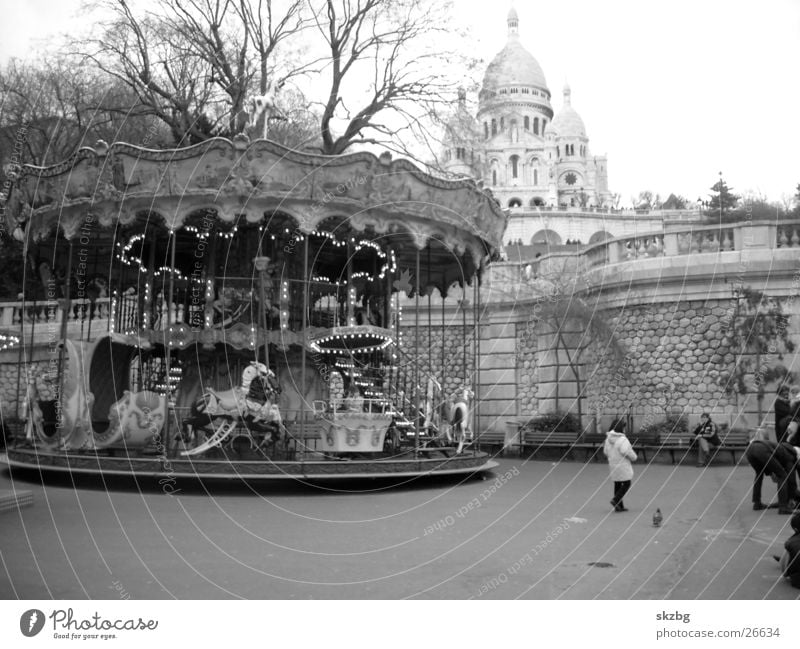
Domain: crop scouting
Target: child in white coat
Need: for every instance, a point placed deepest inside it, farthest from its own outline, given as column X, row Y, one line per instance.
column 620, row 454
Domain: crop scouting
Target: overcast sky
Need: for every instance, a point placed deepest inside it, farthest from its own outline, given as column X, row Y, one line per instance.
column 673, row 92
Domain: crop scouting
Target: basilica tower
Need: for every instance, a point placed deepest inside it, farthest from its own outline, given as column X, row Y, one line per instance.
column 529, row 156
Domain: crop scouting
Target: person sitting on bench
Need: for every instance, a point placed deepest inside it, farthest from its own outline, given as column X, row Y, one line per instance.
column 706, row 436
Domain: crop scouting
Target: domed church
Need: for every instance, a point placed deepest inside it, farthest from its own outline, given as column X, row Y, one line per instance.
column 526, row 154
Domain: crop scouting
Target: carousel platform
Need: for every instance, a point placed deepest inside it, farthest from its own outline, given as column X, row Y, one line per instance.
column 403, row 465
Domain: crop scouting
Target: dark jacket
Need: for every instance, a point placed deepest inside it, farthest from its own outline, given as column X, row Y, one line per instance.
column 792, row 545
column 708, row 430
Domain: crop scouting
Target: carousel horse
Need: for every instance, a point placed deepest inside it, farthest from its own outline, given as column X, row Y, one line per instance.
column 459, row 420
column 251, row 403
column 266, row 105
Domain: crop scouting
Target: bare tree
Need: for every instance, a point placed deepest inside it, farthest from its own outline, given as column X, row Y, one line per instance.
column 398, row 45
column 194, row 63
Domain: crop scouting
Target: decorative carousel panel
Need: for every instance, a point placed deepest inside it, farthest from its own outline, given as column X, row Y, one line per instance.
column 354, row 432
column 239, row 176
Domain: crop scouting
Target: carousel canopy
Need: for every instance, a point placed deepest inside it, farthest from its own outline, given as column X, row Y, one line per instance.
column 106, row 187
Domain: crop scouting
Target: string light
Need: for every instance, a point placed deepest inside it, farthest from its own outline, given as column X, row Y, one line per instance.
column 7, row 341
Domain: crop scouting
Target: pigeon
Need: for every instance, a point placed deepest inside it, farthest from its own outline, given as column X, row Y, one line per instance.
column 657, row 518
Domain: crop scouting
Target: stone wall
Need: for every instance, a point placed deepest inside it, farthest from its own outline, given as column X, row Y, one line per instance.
column 674, row 355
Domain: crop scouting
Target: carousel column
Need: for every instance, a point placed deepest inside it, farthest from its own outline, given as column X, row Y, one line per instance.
column 149, row 287
column 261, row 264
column 64, row 321
column 304, row 328
column 476, row 365
column 211, row 267
column 168, row 342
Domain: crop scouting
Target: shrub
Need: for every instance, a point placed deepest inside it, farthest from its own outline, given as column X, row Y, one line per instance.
column 554, row 422
column 672, row 425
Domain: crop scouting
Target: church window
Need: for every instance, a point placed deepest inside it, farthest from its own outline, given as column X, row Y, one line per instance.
column 527, row 123
column 525, row 91
column 558, row 151
column 535, row 176
column 502, row 124
column 544, row 123
column 485, row 130
column 514, row 166
column 536, row 126
column 494, row 176
column 570, row 178
column 494, row 127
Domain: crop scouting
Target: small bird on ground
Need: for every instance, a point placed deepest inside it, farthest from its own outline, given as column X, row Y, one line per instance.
column 657, row 518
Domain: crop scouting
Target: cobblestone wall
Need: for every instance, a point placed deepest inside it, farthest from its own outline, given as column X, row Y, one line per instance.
column 674, row 355
column 429, row 355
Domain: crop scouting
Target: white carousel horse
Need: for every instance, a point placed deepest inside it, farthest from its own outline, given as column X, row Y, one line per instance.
column 223, row 410
column 266, row 105
column 459, row 419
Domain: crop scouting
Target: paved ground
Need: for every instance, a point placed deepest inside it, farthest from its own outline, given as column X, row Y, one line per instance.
column 532, row 531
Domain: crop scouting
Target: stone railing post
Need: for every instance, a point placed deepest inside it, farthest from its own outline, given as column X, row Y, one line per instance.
column 613, row 252
column 670, row 244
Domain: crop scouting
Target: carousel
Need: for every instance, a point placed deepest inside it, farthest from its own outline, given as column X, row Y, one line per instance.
column 238, row 310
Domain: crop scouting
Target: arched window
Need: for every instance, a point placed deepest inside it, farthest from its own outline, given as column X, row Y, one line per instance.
column 536, row 125
column 544, row 123
column 494, row 176
column 502, row 124
column 514, row 160
column 486, row 130
column 558, row 151
column 535, row 176
column 527, row 123
column 494, row 127
column 515, row 202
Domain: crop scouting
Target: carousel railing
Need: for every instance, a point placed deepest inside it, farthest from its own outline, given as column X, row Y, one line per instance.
column 233, row 300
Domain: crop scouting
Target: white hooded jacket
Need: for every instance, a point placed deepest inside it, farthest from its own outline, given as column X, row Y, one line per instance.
column 620, row 454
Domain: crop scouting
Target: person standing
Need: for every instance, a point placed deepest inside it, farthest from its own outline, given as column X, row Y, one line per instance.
column 790, row 561
column 777, row 461
column 783, row 409
column 620, row 454
column 706, row 436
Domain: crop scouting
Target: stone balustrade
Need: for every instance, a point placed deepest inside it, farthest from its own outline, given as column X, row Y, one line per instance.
column 678, row 239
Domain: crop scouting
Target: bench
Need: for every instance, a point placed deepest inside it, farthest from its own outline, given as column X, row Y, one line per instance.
column 532, row 441
column 681, row 444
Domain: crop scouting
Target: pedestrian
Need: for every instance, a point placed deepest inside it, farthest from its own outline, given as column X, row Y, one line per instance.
column 787, row 415
column 620, row 454
column 779, row 462
column 706, row 436
column 782, row 411
column 790, row 561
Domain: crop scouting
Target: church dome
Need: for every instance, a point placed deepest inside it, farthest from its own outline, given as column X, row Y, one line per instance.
column 514, row 65
column 567, row 122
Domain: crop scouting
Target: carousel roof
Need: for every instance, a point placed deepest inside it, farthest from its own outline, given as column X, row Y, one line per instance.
column 113, row 185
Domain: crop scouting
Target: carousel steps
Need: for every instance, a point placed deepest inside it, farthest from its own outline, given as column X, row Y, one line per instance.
column 10, row 500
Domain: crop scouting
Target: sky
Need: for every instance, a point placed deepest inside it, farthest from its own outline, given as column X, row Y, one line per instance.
column 672, row 92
